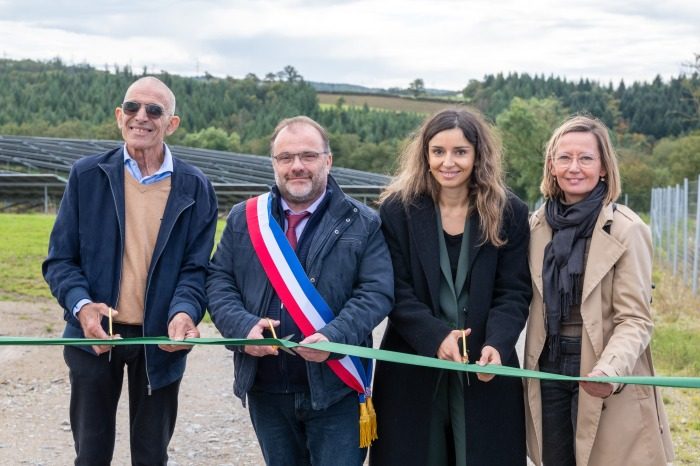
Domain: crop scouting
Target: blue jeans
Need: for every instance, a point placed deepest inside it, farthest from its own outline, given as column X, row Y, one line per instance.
column 291, row 433
column 560, row 404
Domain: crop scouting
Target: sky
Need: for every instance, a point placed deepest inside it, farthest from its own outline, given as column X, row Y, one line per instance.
column 380, row 43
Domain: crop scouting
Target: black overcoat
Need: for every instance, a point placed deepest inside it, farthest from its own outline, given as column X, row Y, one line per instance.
column 499, row 295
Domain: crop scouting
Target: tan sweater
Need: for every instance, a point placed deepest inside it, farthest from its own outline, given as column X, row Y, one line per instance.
column 144, row 206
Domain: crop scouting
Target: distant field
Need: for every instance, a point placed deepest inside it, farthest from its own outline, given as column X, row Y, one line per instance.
column 397, row 104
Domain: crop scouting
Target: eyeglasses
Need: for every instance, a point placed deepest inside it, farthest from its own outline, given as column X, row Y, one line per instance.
column 565, row 160
column 154, row 111
column 306, row 157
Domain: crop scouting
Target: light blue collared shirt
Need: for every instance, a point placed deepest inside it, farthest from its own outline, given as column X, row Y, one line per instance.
column 165, row 170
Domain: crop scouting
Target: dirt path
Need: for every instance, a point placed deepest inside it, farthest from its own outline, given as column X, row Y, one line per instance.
column 212, row 428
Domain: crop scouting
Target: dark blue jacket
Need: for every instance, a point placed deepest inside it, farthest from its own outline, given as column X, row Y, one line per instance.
column 87, row 245
column 348, row 262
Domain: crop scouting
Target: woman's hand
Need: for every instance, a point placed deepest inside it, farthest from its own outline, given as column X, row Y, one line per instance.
column 489, row 355
column 597, row 389
column 450, row 349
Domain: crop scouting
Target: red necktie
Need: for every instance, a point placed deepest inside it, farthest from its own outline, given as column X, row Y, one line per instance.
column 293, row 221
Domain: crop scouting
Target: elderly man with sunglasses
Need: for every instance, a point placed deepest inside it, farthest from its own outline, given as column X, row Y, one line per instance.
column 127, row 258
column 307, row 262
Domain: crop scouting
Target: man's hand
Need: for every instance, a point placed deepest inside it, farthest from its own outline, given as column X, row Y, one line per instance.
column 312, row 355
column 489, row 355
column 256, row 333
column 450, row 349
column 180, row 327
column 90, row 318
column 597, row 389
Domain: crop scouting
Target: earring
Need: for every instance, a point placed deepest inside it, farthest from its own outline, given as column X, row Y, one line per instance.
column 602, row 178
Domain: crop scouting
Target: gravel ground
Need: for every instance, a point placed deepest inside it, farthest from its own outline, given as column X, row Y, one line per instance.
column 212, row 428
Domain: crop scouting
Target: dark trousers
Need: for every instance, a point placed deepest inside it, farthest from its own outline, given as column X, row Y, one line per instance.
column 291, row 433
column 96, row 384
column 560, row 404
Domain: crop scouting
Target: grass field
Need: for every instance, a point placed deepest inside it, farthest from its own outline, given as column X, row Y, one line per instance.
column 25, row 240
column 675, row 345
column 676, row 349
column 381, row 102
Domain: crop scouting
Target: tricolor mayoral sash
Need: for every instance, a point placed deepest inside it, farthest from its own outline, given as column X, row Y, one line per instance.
column 304, row 303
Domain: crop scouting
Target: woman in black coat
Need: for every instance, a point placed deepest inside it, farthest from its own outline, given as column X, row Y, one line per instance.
column 458, row 241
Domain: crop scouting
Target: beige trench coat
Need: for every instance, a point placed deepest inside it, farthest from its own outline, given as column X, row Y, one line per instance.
column 629, row 427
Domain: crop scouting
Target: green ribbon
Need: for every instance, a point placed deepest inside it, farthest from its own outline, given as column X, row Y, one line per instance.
column 361, row 351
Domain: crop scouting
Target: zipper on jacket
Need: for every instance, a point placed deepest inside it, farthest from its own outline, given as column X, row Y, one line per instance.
column 121, row 243
column 282, row 362
column 148, row 286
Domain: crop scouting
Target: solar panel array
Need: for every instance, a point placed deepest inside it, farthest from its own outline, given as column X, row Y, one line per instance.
column 235, row 176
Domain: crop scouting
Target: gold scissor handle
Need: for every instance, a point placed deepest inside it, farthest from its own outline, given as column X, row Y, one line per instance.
column 272, row 329
column 465, row 356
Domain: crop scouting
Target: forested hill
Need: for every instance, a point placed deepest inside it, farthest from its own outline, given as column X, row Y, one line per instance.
column 655, row 109
column 53, row 99
column 655, row 124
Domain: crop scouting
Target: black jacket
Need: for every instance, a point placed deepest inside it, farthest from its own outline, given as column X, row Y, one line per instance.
column 499, row 295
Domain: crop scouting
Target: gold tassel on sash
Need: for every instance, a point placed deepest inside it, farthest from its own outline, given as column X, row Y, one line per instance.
column 372, row 418
column 368, row 423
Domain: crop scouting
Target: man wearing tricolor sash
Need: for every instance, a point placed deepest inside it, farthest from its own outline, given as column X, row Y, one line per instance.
column 306, row 261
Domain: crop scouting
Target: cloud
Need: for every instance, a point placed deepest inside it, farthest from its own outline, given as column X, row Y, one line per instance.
column 375, row 43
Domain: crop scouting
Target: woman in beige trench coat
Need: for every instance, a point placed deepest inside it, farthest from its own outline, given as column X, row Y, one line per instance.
column 590, row 315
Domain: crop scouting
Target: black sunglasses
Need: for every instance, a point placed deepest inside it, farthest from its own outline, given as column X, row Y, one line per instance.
column 152, row 110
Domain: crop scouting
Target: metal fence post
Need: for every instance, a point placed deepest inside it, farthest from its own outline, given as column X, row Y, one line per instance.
column 684, row 212
column 697, row 240
column 670, row 225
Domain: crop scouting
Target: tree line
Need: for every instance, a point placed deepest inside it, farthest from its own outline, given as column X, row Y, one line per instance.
column 655, row 125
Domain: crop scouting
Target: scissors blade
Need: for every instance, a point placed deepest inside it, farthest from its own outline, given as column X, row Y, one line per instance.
column 285, row 349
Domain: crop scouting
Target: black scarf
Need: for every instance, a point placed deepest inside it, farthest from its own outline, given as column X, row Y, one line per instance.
column 563, row 265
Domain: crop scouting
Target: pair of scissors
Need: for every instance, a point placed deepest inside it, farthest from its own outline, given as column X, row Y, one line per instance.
column 288, row 337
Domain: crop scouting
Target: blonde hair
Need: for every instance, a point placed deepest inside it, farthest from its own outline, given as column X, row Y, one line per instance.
column 582, row 124
column 486, row 189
